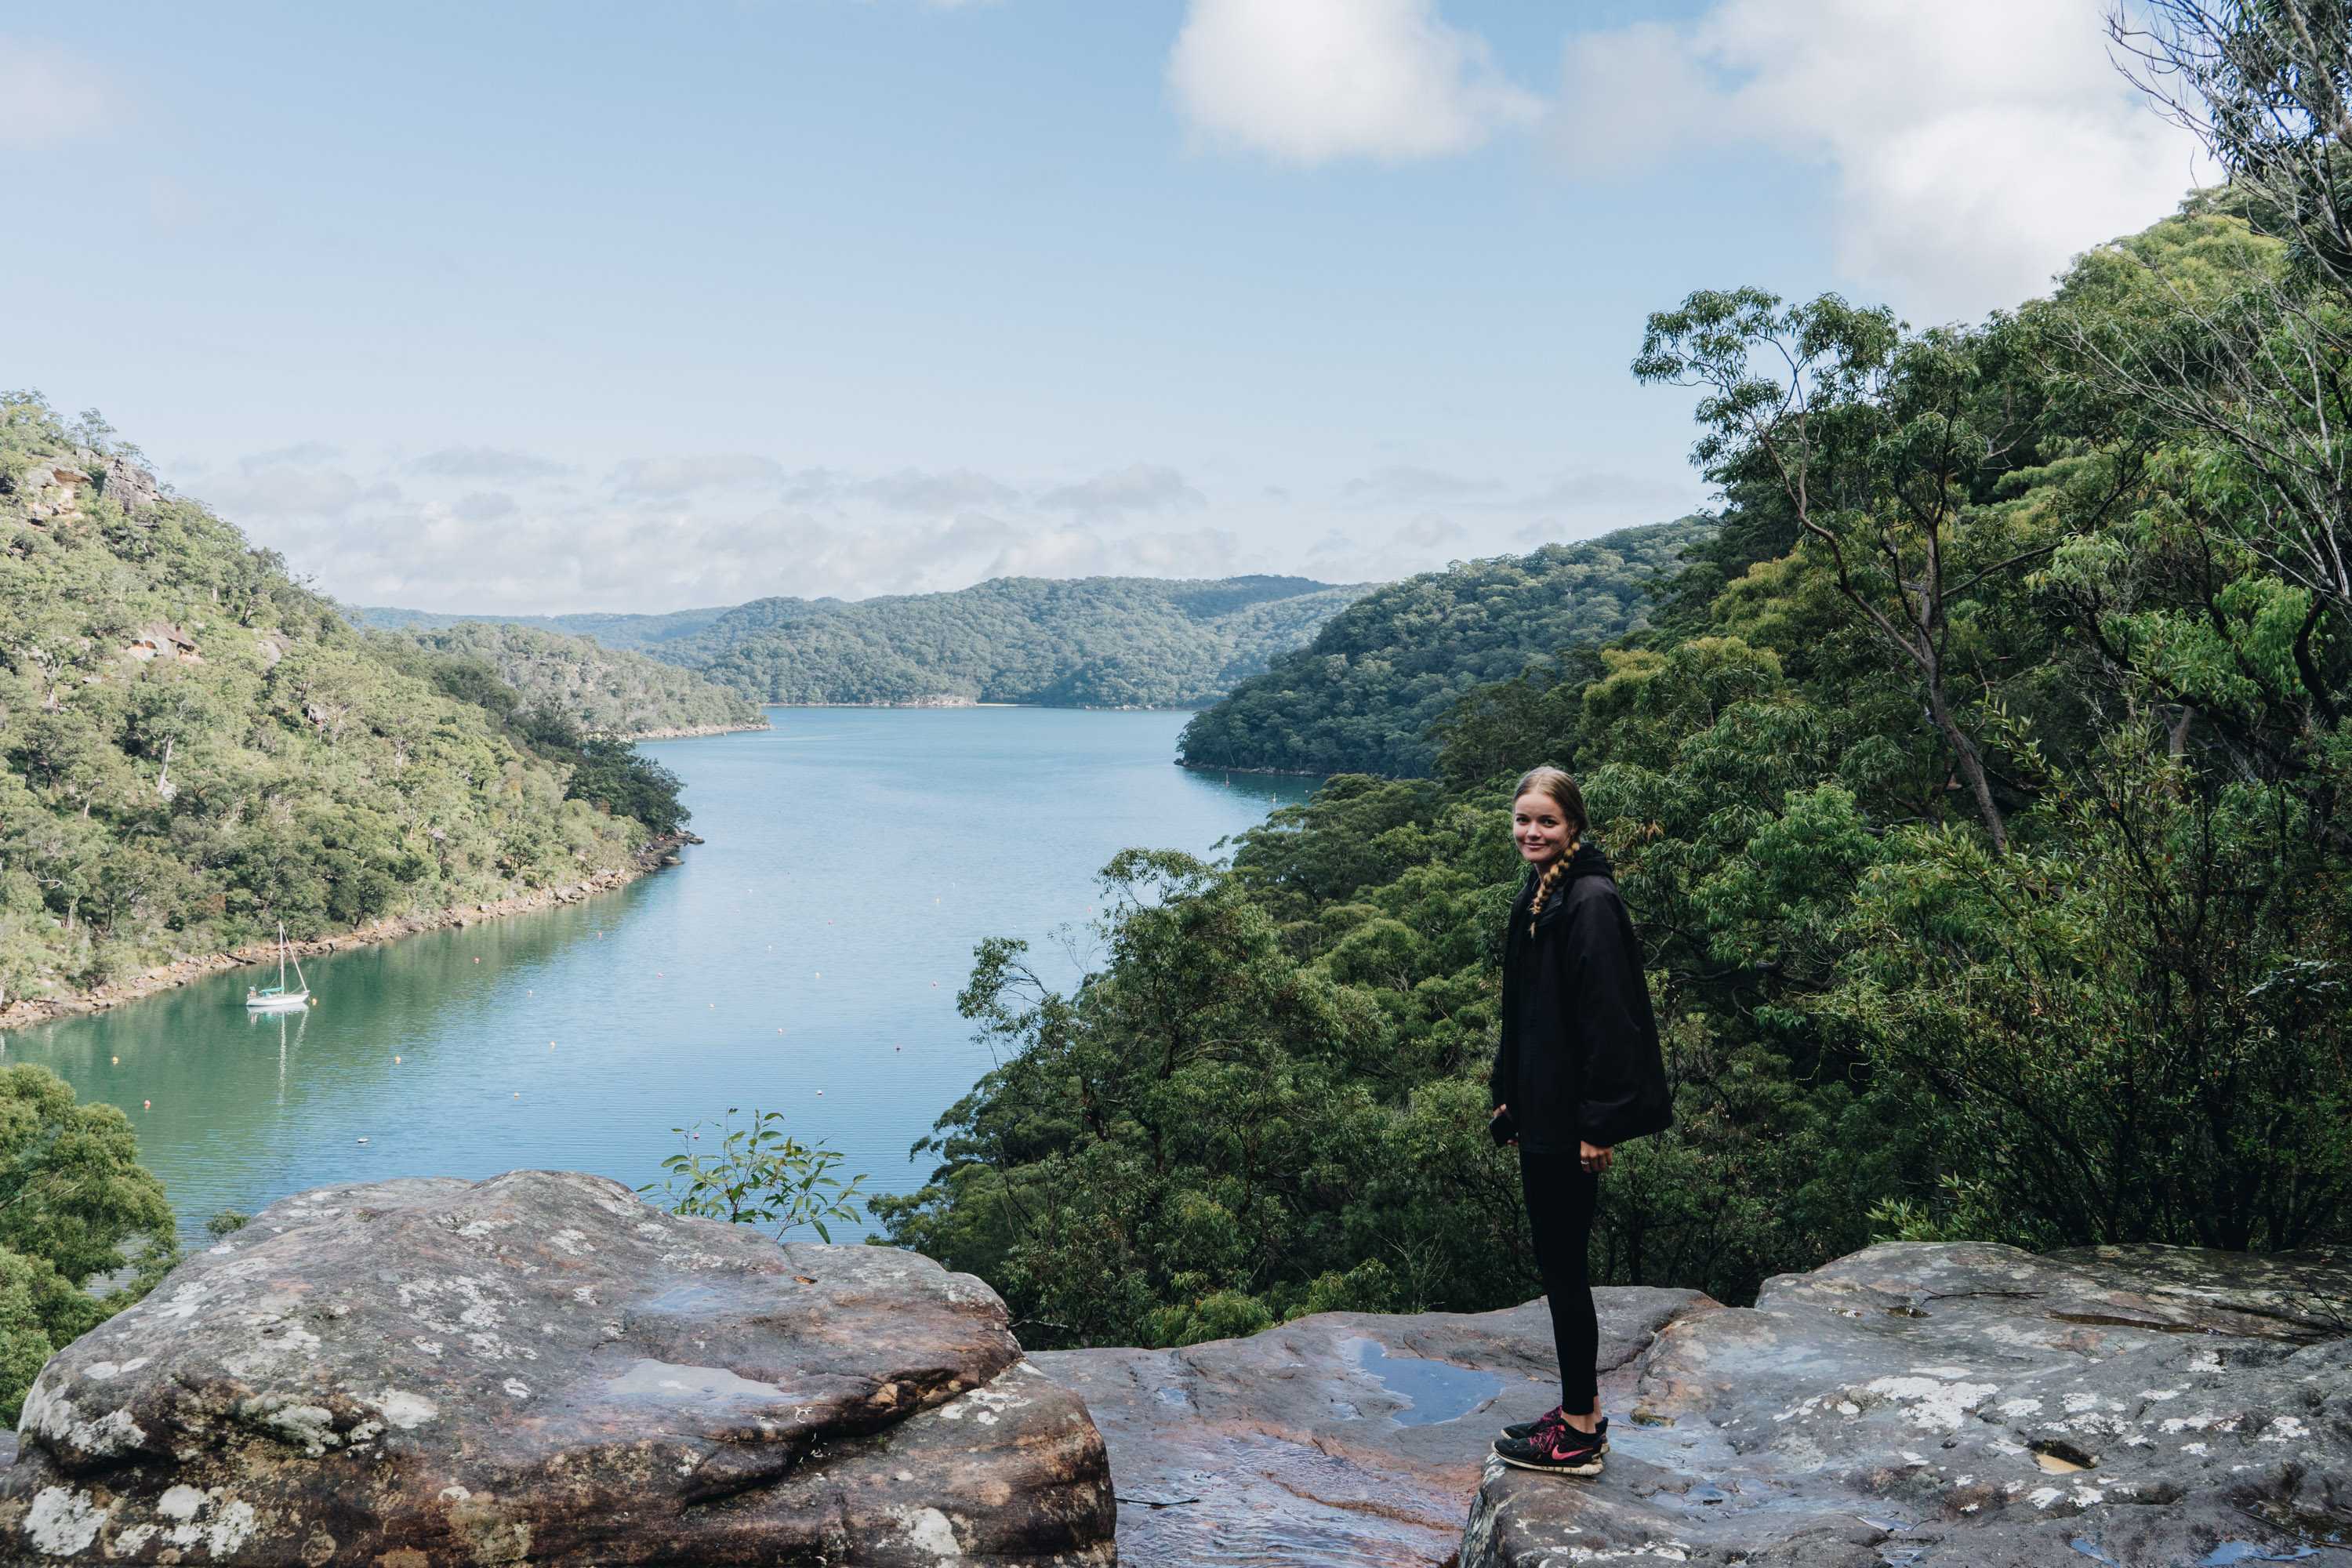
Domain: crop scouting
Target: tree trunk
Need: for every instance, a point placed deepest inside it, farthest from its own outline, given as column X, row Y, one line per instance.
column 1964, row 753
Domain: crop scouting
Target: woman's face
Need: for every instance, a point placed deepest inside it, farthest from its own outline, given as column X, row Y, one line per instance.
column 1540, row 831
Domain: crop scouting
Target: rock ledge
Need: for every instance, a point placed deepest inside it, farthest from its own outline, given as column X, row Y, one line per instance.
column 541, row 1369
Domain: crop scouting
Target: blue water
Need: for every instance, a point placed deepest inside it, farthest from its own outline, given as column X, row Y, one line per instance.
column 1434, row 1391
column 806, row 958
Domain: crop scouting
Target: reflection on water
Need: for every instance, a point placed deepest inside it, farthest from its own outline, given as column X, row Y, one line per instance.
column 1438, row 1390
column 806, row 959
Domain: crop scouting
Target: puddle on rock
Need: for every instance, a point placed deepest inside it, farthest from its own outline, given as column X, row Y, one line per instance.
column 2230, row 1553
column 666, row 1380
column 2090, row 1549
column 1437, row 1391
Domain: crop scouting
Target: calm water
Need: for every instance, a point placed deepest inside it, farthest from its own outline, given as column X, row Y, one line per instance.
column 806, row 958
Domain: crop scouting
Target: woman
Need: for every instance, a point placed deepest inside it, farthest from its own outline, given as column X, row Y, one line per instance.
column 1577, row 1073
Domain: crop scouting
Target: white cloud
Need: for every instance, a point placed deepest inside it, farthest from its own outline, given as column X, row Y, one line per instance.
column 684, row 476
column 483, row 463
column 907, row 489
column 1307, row 82
column 1975, row 148
column 302, row 454
column 1139, row 487
column 48, row 96
column 286, row 489
column 1408, row 484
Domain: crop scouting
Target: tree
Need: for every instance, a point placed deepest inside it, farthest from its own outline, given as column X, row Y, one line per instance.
column 1879, row 440
column 73, row 1202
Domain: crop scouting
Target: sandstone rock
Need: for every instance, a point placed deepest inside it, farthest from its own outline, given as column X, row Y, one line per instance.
column 129, row 486
column 541, row 1369
column 1972, row 1405
column 1342, row 1440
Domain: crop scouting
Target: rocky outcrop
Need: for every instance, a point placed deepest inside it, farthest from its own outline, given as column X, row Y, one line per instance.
column 1344, row 1440
column 1977, row 1405
column 1909, row 1405
column 541, row 1369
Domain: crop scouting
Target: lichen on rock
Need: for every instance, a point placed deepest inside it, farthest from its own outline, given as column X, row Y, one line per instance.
column 541, row 1369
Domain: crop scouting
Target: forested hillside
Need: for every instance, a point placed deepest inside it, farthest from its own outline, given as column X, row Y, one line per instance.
column 636, row 634
column 604, row 690
column 1361, row 697
column 1982, row 794
column 196, row 748
column 1089, row 642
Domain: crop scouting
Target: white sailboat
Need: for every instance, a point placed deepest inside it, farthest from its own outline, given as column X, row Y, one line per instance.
column 277, row 998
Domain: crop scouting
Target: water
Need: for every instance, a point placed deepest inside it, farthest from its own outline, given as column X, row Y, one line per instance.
column 806, row 959
column 1434, row 1391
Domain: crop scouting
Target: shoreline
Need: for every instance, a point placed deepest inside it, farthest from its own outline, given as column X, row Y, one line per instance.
column 24, row 1013
column 687, row 731
column 1269, row 773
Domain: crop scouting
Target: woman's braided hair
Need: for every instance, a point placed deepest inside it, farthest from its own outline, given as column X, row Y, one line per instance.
column 1562, row 792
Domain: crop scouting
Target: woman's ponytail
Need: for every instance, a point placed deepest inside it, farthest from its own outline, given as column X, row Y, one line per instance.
column 1550, row 878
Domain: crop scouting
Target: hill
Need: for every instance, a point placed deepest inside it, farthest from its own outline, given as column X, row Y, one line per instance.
column 636, row 634
column 1361, row 697
column 1089, row 642
column 604, row 690
column 197, row 748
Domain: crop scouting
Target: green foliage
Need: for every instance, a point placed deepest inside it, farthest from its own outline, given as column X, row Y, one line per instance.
column 196, row 748
column 75, row 1203
column 1096, row 642
column 757, row 1175
column 1092, row 642
column 603, row 691
column 2112, row 1007
column 1361, row 697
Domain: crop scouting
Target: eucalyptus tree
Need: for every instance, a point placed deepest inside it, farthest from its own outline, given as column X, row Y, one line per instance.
column 1881, row 441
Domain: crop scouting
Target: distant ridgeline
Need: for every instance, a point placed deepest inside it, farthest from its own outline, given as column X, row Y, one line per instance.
column 194, row 748
column 1362, row 696
column 606, row 690
column 1092, row 642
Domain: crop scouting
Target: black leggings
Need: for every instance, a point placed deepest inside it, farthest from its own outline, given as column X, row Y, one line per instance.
column 1559, row 1193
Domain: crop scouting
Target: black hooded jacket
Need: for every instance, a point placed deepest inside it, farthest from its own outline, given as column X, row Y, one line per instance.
column 1580, row 1055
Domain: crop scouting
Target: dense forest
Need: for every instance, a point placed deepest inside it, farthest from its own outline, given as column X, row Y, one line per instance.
column 196, row 748
column 1980, row 791
column 626, row 633
column 1362, row 696
column 604, row 691
column 1089, row 642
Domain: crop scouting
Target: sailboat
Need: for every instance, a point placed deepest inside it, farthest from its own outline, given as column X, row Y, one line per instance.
column 277, row 998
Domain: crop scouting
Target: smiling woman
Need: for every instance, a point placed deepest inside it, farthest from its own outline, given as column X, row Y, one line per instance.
column 1578, row 1072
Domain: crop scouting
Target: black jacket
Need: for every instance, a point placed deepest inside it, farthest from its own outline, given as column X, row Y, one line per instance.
column 1580, row 1055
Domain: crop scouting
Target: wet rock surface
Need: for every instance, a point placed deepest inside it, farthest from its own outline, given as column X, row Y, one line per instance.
column 2138, row 1407
column 1338, row 1440
column 541, row 1369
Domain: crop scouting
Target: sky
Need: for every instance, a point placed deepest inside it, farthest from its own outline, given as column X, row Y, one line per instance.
column 533, row 307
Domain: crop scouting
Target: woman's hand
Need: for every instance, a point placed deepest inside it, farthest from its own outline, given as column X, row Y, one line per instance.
column 1501, row 1111
column 1594, row 1157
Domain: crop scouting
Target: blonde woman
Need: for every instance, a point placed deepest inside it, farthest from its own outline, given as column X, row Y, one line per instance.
column 1579, row 1071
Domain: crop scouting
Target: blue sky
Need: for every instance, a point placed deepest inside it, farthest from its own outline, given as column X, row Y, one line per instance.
column 537, row 307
